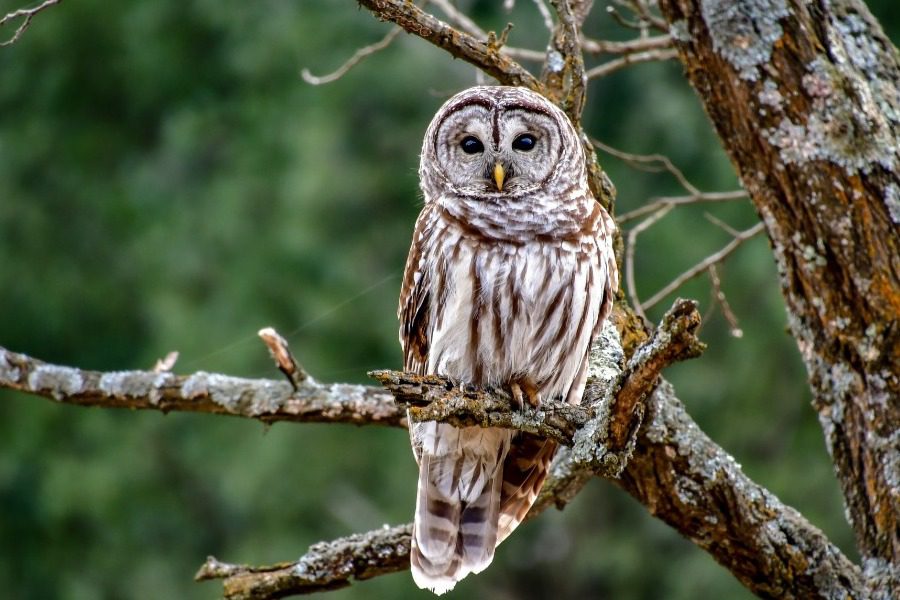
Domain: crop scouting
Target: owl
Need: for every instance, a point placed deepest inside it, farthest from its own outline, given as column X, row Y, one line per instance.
column 510, row 276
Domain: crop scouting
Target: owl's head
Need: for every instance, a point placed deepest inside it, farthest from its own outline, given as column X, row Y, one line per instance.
column 499, row 142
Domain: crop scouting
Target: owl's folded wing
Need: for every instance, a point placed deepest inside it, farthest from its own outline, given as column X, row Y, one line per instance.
column 415, row 299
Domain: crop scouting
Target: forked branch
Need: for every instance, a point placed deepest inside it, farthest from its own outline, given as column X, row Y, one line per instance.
column 26, row 14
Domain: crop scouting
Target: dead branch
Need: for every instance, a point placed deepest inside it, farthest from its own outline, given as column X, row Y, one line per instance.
column 283, row 357
column 673, row 201
column 435, row 398
column 618, row 64
column 703, row 265
column 358, row 56
column 27, row 14
column 719, row 298
column 630, row 285
column 657, row 42
column 458, row 43
column 262, row 399
column 325, row 566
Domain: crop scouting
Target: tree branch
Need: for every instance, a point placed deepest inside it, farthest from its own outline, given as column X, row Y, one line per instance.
column 262, row 399
column 325, row 566
column 703, row 265
column 459, row 44
column 627, row 60
column 358, row 56
column 27, row 15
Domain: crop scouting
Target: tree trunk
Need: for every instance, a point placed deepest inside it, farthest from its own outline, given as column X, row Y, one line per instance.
column 806, row 99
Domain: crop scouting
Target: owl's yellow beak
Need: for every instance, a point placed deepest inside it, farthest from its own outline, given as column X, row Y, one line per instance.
column 499, row 174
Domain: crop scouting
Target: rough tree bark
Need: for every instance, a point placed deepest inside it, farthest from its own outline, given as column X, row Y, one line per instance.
column 806, row 99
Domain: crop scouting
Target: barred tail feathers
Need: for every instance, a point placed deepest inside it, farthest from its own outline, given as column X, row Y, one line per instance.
column 524, row 472
column 457, row 502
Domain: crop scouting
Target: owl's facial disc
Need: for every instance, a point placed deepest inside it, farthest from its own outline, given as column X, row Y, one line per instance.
column 489, row 150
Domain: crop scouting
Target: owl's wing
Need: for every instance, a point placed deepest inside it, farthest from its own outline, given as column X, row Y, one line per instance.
column 607, row 259
column 414, row 311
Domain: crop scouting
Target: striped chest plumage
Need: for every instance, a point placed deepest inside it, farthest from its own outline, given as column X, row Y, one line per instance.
column 509, row 309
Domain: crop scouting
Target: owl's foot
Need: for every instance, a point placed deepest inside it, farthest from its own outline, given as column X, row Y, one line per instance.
column 524, row 388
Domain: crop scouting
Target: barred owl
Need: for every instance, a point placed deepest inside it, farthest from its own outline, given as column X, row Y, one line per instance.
column 510, row 276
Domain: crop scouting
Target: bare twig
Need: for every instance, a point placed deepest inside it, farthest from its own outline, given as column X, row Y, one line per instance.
column 166, row 363
column 545, row 15
column 674, row 201
column 284, row 359
column 458, row 43
column 27, row 14
column 645, row 17
column 703, row 265
column 630, row 59
column 658, row 42
column 358, row 56
column 655, row 163
column 655, row 20
column 635, row 231
column 649, row 162
column 721, row 224
column 719, row 296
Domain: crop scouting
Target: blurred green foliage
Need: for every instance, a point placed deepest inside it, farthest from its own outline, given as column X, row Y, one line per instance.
column 167, row 181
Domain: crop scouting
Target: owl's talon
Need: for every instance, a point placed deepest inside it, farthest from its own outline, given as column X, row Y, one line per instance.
column 516, row 394
column 531, row 392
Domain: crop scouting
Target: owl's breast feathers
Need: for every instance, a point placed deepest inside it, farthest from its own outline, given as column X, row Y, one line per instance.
column 503, row 308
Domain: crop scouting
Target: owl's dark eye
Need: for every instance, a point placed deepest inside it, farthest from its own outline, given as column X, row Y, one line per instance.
column 471, row 145
column 524, row 142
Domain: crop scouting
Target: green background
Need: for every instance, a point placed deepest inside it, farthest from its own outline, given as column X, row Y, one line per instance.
column 168, row 182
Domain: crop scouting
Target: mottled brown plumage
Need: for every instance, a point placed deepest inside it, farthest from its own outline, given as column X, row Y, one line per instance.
column 510, row 276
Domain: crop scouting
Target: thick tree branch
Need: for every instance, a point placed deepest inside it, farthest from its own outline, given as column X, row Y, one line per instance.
column 682, row 477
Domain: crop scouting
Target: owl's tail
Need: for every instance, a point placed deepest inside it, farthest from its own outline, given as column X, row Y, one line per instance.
column 457, row 503
column 524, row 471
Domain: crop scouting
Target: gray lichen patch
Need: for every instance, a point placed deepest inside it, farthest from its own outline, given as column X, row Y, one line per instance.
column 770, row 96
column 892, row 201
column 555, row 61
column 235, row 394
column 605, row 368
column 58, row 381
column 7, row 371
column 846, row 124
column 881, row 575
column 744, row 32
column 679, row 31
column 127, row 384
